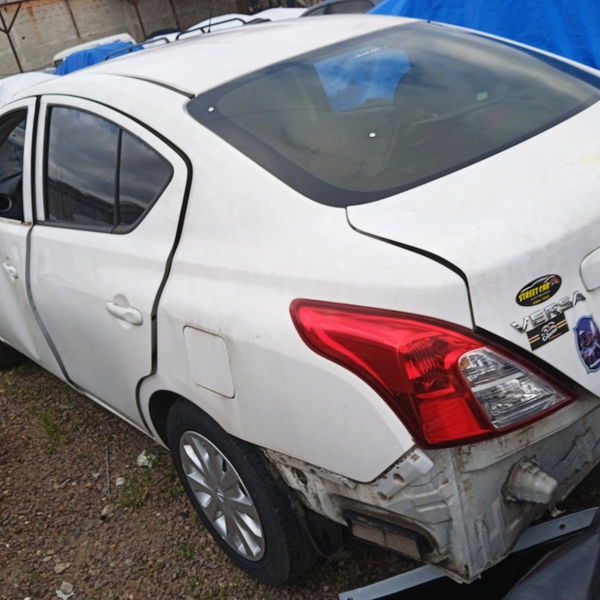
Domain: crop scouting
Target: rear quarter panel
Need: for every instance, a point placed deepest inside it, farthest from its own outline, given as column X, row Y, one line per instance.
column 250, row 245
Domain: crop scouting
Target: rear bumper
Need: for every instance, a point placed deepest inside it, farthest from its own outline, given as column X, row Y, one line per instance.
column 453, row 503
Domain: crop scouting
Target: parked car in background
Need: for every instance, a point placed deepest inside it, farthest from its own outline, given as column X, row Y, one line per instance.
column 352, row 283
column 339, row 7
column 228, row 21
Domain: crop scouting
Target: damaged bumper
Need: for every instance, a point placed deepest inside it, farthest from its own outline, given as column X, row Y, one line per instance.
column 460, row 509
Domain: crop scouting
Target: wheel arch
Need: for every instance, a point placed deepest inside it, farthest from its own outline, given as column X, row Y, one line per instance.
column 160, row 404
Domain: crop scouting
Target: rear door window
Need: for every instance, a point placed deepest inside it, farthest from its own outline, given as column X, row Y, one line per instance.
column 82, row 162
column 99, row 176
column 143, row 176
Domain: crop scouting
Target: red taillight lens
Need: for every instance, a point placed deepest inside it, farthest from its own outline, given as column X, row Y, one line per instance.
column 446, row 385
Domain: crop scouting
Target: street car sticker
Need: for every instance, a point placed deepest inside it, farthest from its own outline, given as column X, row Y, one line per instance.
column 539, row 290
column 587, row 338
column 546, row 332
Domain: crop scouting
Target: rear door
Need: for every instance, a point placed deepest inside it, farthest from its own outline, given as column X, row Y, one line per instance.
column 109, row 197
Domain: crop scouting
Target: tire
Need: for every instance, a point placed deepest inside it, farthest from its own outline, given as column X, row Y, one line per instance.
column 9, row 357
column 245, row 509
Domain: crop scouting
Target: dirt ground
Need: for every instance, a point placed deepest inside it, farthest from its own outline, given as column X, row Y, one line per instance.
column 76, row 510
column 65, row 518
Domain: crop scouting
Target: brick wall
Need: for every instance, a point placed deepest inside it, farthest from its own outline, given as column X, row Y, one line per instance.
column 41, row 28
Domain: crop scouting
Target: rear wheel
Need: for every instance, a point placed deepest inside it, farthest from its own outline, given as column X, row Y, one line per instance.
column 247, row 512
column 9, row 357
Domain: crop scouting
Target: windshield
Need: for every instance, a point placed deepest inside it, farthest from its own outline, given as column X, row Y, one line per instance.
column 381, row 113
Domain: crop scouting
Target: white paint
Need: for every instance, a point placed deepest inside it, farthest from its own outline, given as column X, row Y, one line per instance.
column 590, row 270
column 208, row 361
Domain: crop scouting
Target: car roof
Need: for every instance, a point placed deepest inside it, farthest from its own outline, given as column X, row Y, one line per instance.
column 197, row 64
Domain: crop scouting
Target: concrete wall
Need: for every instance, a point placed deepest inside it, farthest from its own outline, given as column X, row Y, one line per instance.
column 44, row 27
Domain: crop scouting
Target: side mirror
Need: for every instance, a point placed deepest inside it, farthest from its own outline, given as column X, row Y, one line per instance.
column 6, row 204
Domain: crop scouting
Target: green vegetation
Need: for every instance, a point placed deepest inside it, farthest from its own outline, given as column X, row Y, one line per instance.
column 185, row 550
column 53, row 426
column 137, row 490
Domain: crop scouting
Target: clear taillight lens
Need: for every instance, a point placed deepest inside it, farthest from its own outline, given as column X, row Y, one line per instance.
column 507, row 393
column 447, row 385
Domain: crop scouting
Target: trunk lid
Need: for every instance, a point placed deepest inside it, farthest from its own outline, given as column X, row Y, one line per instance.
column 523, row 227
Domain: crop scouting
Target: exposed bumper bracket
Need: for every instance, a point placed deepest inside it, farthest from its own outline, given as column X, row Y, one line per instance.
column 537, row 534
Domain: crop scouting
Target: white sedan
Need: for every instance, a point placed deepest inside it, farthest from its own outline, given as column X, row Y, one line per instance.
column 346, row 269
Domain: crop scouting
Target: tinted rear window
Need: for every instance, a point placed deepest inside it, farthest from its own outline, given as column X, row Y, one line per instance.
column 379, row 114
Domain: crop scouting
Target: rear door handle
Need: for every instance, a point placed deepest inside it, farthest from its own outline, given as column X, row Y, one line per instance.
column 125, row 313
column 11, row 270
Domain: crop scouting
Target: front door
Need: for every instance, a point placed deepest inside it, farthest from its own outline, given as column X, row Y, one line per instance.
column 112, row 197
column 18, row 324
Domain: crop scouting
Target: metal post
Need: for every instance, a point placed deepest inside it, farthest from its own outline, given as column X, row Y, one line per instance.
column 6, row 30
column 134, row 3
column 73, row 21
column 177, row 23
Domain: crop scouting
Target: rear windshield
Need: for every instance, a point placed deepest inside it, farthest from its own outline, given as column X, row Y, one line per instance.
column 378, row 114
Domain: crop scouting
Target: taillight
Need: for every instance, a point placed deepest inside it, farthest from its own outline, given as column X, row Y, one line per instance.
column 447, row 385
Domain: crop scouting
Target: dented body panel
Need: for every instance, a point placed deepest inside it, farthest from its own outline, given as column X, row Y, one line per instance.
column 456, row 499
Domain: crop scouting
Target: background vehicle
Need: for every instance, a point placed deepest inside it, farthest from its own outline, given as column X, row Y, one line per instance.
column 314, row 277
column 339, row 7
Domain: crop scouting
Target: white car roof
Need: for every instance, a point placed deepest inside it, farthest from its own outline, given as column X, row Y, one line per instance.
column 12, row 86
column 199, row 63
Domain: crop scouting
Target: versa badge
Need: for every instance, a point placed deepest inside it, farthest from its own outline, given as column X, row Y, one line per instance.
column 546, row 324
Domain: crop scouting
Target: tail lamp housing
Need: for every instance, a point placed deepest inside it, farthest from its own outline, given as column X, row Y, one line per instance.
column 446, row 384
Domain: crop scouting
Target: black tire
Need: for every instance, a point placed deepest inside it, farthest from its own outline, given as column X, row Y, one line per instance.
column 286, row 551
column 9, row 357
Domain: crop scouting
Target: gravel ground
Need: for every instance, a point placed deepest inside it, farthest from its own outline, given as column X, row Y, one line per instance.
column 61, row 522
column 76, row 509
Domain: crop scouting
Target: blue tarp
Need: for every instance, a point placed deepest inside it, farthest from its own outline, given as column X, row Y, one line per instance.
column 91, row 56
column 569, row 28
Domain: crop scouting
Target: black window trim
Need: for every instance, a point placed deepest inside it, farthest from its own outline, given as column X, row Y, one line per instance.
column 116, row 229
column 117, row 212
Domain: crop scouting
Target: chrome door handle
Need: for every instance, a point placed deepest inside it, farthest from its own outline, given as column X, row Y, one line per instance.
column 125, row 313
column 11, row 270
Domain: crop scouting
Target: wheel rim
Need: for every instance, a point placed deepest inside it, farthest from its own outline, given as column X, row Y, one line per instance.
column 222, row 495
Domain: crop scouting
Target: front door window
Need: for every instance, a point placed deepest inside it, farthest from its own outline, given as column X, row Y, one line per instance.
column 12, row 142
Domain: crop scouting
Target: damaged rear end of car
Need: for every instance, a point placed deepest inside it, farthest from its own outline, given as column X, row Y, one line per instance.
column 478, row 156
